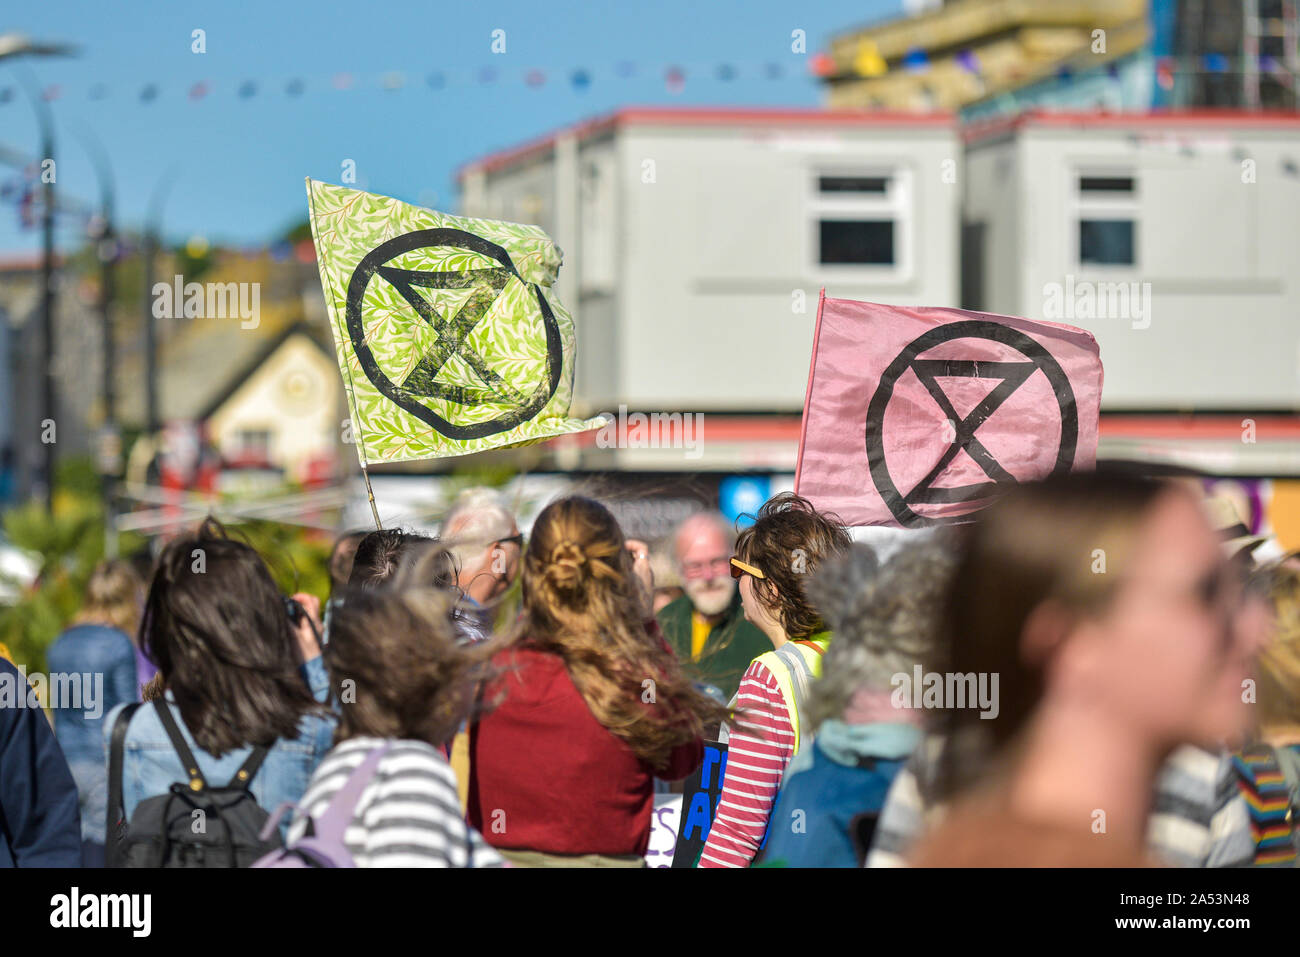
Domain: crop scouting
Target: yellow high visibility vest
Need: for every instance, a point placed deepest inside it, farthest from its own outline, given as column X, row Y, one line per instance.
column 795, row 665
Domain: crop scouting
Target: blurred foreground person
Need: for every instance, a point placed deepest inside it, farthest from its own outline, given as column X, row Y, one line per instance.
column 40, row 820
column 385, row 790
column 1105, row 607
column 883, row 622
column 588, row 707
column 242, row 713
column 788, row 542
column 97, row 656
column 1269, row 767
column 706, row 627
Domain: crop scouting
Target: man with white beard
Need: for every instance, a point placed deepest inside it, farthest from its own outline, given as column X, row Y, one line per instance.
column 706, row 627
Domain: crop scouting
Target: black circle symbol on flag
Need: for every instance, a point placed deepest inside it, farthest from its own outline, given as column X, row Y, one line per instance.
column 1012, row 376
column 453, row 333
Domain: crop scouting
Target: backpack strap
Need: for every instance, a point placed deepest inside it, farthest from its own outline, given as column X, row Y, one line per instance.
column 243, row 778
column 116, row 805
column 338, row 815
column 197, row 781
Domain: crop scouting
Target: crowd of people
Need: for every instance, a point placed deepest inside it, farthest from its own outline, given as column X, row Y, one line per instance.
column 1093, row 671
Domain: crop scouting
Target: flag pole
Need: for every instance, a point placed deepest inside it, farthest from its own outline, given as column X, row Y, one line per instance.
column 370, row 493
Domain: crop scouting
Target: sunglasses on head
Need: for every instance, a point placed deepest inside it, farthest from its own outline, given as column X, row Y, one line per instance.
column 739, row 568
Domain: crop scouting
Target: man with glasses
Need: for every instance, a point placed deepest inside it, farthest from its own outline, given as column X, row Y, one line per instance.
column 706, row 627
column 482, row 535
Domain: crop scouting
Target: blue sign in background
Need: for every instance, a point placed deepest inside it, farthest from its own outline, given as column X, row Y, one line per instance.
column 741, row 496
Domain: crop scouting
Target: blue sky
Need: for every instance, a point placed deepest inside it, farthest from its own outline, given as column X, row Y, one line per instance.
column 240, row 162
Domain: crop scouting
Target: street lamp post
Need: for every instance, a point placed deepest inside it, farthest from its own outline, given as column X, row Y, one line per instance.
column 14, row 45
column 108, row 447
column 152, row 229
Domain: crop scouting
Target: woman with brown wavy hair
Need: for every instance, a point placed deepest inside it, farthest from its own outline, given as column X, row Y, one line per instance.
column 589, row 705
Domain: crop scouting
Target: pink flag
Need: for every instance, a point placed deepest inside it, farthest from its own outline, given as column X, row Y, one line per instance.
column 916, row 416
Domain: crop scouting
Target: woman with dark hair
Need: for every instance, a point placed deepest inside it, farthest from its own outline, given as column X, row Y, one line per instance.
column 237, row 673
column 589, row 707
column 788, row 541
column 394, row 663
column 1104, row 606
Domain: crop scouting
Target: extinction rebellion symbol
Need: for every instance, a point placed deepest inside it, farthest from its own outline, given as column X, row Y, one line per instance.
column 518, row 401
column 1012, row 375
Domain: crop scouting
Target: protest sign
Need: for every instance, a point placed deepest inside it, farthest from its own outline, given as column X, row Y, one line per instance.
column 450, row 339
column 665, row 821
column 918, row 416
column 699, row 803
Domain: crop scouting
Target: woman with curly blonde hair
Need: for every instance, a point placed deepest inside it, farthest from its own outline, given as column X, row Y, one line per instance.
column 589, row 704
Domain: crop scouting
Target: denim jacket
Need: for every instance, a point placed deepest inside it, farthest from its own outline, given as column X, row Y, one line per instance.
column 150, row 764
column 93, row 669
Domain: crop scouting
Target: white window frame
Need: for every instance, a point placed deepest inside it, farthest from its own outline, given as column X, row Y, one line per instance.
column 895, row 204
column 1102, row 205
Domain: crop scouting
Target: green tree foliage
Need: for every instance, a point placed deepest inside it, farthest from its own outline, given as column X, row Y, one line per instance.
column 68, row 544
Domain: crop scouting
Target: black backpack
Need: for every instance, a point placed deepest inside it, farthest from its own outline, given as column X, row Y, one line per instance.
column 164, row 831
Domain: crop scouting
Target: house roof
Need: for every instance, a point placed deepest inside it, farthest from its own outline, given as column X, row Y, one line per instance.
column 269, row 347
column 699, row 116
column 202, row 364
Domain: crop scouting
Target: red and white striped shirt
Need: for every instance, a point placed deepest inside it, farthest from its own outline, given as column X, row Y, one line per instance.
column 755, row 767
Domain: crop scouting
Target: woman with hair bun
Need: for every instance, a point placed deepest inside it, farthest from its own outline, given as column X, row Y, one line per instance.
column 588, row 705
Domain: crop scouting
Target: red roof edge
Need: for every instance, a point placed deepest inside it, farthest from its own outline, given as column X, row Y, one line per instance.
column 700, row 116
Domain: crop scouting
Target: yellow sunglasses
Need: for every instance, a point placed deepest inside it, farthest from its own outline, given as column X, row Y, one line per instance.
column 739, row 568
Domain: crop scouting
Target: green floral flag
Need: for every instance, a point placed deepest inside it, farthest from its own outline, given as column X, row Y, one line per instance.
column 449, row 338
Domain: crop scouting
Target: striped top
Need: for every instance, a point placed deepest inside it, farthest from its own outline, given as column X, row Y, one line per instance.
column 1267, row 794
column 407, row 816
column 755, row 766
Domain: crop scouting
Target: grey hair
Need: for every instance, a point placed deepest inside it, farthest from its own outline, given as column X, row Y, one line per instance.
column 714, row 518
column 883, row 618
column 478, row 517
